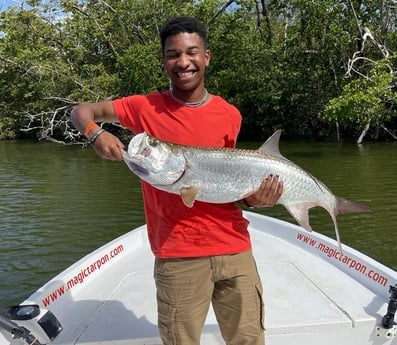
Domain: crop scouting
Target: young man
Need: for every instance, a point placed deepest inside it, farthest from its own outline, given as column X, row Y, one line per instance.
column 203, row 254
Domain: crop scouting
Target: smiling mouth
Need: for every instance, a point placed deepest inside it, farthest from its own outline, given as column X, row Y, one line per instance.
column 185, row 74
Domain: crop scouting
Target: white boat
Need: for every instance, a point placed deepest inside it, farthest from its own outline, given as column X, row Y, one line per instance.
column 313, row 294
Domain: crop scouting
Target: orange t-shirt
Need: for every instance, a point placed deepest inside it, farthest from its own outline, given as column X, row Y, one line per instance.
column 176, row 230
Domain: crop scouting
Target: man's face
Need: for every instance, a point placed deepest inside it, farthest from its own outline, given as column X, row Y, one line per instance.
column 185, row 60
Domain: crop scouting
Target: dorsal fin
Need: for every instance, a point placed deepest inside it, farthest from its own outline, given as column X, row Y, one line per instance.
column 271, row 145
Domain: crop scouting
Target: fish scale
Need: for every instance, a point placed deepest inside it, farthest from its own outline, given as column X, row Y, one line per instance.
column 249, row 168
column 222, row 175
column 204, row 170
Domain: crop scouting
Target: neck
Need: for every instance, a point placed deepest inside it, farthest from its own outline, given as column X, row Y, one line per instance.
column 192, row 104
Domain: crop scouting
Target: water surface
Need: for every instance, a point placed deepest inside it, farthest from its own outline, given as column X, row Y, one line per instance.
column 58, row 203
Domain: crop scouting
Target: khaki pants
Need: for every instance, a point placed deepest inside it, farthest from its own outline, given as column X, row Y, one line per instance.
column 185, row 288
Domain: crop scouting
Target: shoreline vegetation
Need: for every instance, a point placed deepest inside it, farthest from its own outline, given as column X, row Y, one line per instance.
column 321, row 70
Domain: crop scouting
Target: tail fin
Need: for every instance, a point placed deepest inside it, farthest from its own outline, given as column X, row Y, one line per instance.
column 347, row 206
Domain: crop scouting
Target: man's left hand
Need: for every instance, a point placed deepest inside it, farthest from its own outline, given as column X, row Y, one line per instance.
column 268, row 193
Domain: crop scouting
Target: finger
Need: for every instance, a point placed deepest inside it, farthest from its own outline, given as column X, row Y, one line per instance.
column 280, row 188
column 263, row 195
column 275, row 184
column 275, row 189
column 269, row 184
column 266, row 184
column 117, row 154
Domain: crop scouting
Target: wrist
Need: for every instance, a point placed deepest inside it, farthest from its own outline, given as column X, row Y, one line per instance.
column 246, row 203
column 96, row 135
column 90, row 130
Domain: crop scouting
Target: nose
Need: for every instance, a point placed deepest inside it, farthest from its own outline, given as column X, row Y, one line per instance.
column 183, row 61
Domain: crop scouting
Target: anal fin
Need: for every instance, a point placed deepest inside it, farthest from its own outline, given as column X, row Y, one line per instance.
column 300, row 212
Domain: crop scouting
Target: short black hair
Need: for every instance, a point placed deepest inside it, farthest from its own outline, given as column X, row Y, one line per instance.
column 183, row 24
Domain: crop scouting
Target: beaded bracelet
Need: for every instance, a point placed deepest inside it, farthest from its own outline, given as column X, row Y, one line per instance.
column 89, row 127
column 96, row 135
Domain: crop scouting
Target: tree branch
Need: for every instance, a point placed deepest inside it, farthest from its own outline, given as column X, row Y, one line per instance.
column 223, row 9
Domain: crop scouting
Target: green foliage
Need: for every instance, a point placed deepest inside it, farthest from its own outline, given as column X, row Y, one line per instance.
column 283, row 64
column 370, row 100
column 6, row 131
column 141, row 69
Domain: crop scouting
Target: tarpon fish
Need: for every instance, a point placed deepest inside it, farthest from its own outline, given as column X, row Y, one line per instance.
column 221, row 175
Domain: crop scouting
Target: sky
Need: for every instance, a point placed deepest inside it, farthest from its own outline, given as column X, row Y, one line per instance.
column 5, row 3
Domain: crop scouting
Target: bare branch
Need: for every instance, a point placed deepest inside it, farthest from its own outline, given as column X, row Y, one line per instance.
column 363, row 133
column 392, row 134
column 223, row 9
column 357, row 56
column 355, row 17
column 266, row 14
column 47, row 122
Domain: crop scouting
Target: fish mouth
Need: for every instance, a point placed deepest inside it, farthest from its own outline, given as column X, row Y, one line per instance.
column 137, row 169
column 134, row 167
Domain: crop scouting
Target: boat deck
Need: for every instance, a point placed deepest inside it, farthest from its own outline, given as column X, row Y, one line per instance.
column 311, row 296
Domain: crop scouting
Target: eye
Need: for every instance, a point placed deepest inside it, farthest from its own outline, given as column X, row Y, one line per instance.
column 153, row 142
column 171, row 56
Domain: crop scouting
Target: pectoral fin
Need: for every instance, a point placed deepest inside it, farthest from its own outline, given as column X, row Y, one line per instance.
column 188, row 194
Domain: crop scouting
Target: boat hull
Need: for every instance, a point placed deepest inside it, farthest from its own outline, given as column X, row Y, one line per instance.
column 313, row 293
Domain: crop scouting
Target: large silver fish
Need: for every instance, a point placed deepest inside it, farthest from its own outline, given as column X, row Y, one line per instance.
column 220, row 175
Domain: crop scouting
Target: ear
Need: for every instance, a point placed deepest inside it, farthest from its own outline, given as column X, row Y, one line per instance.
column 207, row 57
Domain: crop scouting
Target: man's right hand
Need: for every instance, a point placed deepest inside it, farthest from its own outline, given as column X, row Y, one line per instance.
column 108, row 146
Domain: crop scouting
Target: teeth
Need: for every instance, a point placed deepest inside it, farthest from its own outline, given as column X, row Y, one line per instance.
column 185, row 74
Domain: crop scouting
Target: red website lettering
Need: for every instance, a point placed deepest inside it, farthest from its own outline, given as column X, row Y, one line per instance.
column 80, row 277
column 345, row 259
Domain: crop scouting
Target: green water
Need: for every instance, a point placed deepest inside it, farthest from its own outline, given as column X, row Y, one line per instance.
column 58, row 203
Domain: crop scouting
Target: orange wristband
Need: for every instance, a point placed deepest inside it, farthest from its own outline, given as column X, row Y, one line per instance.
column 89, row 127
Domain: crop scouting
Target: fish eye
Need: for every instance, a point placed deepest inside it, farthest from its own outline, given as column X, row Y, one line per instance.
column 153, row 142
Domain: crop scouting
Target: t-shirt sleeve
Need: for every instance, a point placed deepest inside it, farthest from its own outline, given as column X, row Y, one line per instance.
column 127, row 110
